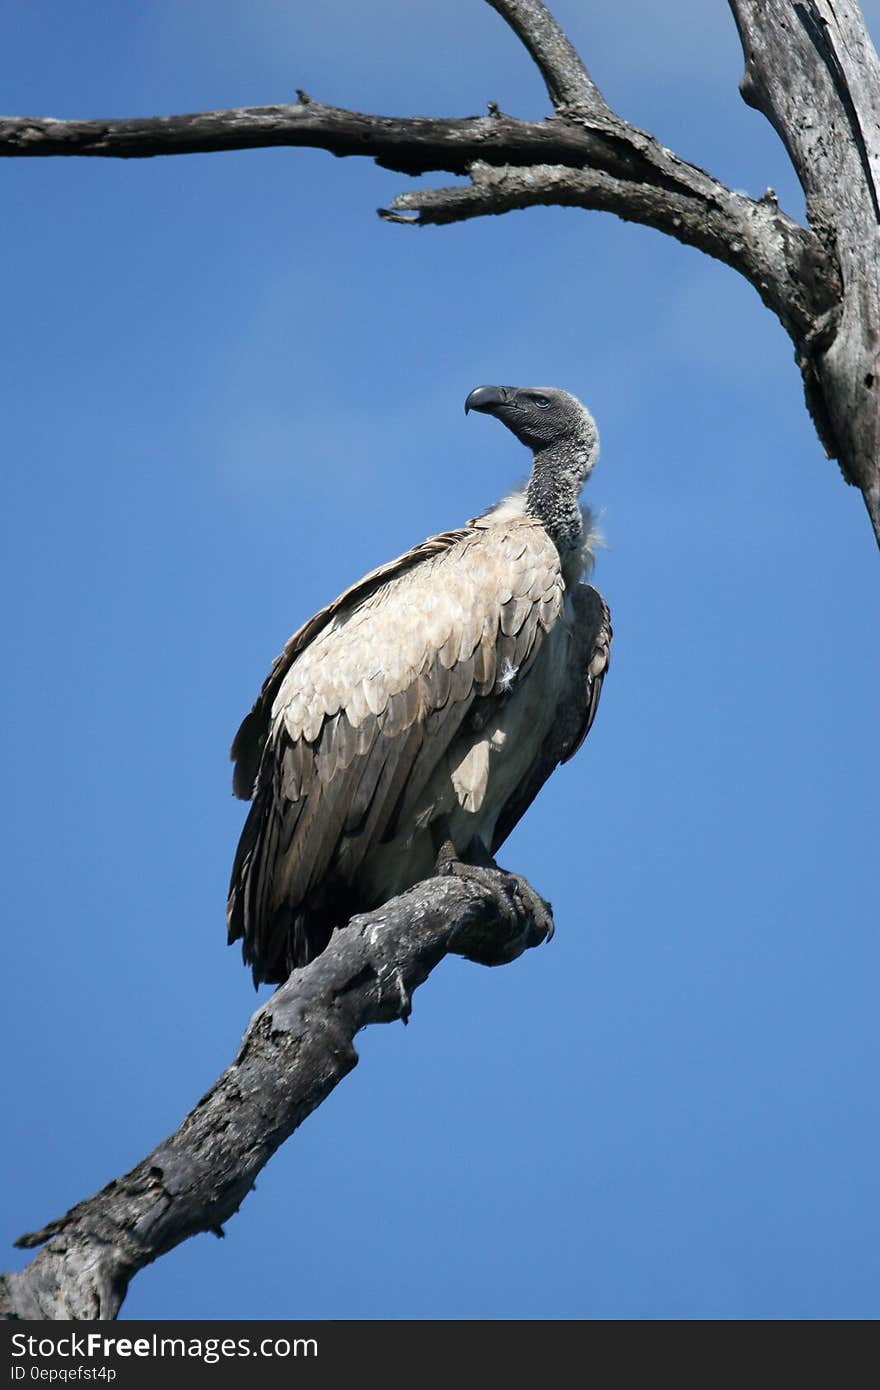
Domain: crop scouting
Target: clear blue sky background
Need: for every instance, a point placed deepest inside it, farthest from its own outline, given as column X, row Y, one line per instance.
column 228, row 390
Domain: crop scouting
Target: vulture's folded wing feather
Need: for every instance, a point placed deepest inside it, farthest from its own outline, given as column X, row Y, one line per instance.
column 587, row 664
column 250, row 740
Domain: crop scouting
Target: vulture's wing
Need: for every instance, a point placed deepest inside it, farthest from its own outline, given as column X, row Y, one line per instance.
column 588, row 658
column 360, row 709
column 250, row 740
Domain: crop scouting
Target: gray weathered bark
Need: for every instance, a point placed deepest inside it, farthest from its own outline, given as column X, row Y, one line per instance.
column 297, row 1048
column 810, row 68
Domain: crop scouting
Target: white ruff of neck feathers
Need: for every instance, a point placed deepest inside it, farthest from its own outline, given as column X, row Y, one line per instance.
column 514, row 505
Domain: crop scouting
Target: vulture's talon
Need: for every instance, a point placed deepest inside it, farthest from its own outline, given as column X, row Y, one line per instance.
column 535, row 908
column 525, row 919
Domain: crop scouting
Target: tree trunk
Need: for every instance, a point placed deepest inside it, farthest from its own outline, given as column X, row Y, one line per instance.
column 812, row 70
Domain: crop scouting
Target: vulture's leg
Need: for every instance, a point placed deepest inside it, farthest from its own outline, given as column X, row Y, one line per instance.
column 523, row 911
column 446, row 856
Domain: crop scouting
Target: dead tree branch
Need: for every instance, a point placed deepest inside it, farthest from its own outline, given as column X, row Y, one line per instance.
column 569, row 85
column 297, row 1048
column 406, row 144
column 511, row 164
column 810, row 67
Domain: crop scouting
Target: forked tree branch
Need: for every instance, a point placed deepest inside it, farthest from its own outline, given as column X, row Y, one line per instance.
column 297, row 1048
column 512, row 164
column 585, row 155
column 782, row 260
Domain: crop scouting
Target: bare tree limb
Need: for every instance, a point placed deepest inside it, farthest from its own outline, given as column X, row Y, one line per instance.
column 407, row 144
column 783, row 260
column 297, row 1048
column 568, row 83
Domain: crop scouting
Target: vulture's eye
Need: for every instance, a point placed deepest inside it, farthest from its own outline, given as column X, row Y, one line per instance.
column 542, row 401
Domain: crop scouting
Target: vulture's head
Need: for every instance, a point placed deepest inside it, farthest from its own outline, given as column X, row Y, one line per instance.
column 539, row 416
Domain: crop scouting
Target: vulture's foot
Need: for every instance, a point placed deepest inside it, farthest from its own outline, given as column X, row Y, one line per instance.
column 524, row 918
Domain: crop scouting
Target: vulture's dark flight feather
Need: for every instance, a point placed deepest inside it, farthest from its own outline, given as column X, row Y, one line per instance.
column 432, row 698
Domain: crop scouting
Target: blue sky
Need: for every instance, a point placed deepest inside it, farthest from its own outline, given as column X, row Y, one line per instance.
column 229, row 390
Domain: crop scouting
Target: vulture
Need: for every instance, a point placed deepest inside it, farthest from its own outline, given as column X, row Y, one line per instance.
column 426, row 705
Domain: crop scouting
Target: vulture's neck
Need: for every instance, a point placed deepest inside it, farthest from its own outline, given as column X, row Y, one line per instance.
column 558, row 473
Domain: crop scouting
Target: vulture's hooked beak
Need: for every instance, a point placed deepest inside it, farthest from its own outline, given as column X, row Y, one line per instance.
column 487, row 399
